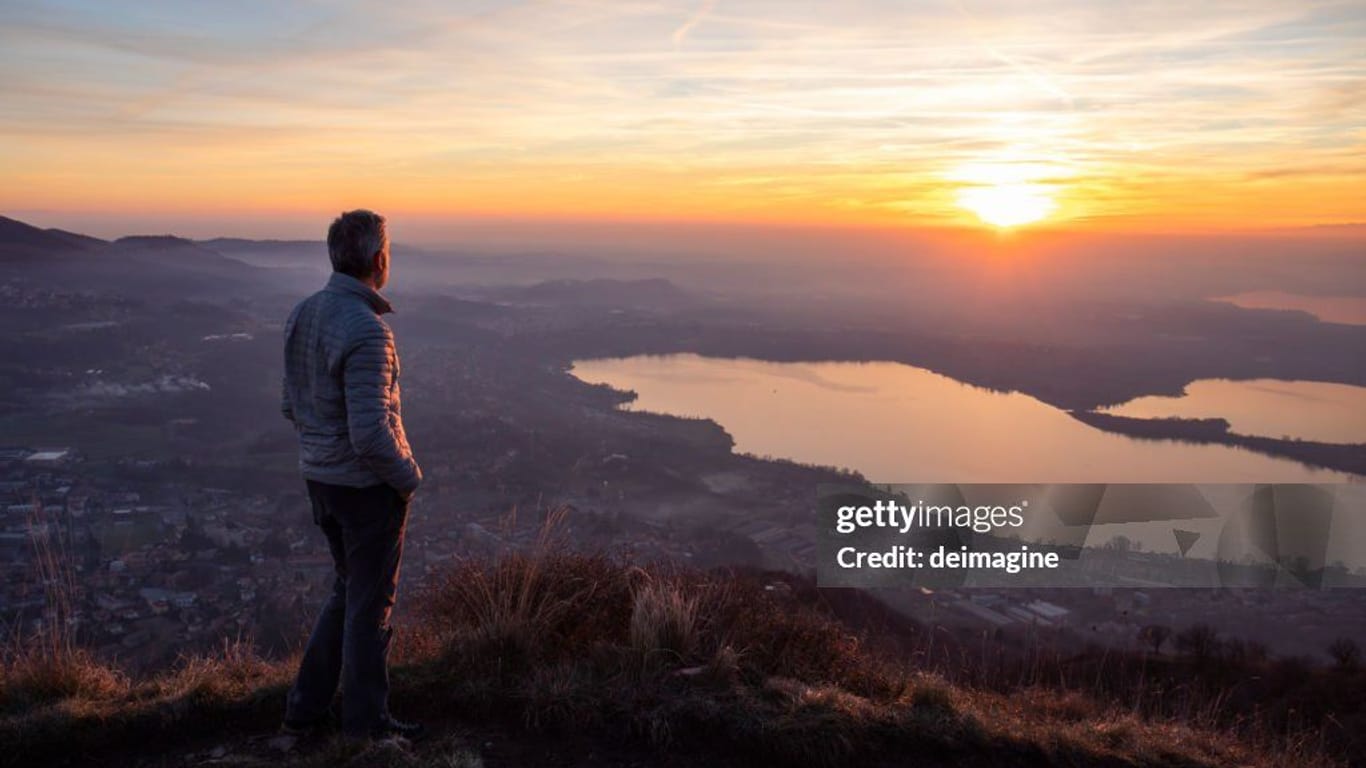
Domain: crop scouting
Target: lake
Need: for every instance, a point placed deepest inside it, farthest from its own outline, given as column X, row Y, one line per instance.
column 1304, row 410
column 897, row 423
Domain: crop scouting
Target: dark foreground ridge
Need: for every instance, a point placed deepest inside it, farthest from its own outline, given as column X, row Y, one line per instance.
column 576, row 660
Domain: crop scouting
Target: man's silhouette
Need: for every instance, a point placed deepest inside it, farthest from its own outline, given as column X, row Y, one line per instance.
column 341, row 391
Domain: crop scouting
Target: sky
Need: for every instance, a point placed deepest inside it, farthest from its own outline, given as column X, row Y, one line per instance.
column 260, row 118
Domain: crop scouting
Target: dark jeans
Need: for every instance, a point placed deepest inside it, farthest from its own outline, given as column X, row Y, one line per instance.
column 350, row 642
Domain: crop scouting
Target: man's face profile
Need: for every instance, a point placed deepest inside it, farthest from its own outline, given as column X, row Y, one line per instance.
column 381, row 265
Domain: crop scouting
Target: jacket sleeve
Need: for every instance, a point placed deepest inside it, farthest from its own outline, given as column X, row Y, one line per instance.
column 286, row 407
column 368, row 378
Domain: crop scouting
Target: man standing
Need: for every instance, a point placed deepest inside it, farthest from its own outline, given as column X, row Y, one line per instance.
column 341, row 391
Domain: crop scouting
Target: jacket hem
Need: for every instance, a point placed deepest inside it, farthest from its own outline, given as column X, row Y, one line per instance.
column 349, row 478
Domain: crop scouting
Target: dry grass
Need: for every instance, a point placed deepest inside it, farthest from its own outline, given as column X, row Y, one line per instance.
column 59, row 701
column 233, row 673
column 39, row 674
column 47, row 665
column 714, row 663
column 765, row 673
column 664, row 620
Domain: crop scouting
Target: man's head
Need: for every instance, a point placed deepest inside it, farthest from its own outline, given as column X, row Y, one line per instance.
column 358, row 243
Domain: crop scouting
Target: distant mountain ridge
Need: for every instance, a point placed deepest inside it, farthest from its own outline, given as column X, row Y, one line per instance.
column 231, row 242
column 133, row 265
column 225, row 265
column 154, row 241
column 19, row 237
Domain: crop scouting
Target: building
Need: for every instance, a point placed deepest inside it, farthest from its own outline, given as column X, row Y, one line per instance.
column 48, row 458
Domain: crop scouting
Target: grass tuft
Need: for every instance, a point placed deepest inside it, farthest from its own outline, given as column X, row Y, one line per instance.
column 664, row 620
column 39, row 675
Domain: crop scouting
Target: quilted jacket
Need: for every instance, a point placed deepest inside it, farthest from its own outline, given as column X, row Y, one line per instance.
column 341, row 389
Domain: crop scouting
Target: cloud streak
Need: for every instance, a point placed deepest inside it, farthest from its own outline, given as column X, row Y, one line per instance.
column 703, row 10
column 1165, row 112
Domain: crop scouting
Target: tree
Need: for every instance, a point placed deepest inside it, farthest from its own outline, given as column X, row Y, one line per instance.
column 1198, row 640
column 1345, row 652
column 1155, row 635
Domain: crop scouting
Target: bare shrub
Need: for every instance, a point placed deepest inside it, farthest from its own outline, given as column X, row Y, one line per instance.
column 1345, row 652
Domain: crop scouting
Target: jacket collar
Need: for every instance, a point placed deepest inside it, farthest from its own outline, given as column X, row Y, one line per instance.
column 340, row 283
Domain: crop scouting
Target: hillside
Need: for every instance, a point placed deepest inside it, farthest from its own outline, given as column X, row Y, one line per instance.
column 20, row 241
column 575, row 660
column 141, row 266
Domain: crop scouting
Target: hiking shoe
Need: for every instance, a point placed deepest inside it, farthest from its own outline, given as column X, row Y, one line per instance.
column 392, row 728
column 302, row 728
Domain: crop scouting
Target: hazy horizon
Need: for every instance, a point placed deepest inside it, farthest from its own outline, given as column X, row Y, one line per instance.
column 714, row 237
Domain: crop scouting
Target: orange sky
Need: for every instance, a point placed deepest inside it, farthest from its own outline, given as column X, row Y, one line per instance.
column 1134, row 116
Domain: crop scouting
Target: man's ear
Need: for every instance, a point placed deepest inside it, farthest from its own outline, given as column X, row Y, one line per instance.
column 379, row 262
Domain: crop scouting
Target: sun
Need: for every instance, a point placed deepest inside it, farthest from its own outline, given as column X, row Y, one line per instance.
column 1008, row 205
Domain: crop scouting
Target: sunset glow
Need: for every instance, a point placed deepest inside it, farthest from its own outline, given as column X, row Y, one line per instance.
column 1222, row 115
column 1007, row 205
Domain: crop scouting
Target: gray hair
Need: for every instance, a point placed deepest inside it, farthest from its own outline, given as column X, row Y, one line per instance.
column 353, row 240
